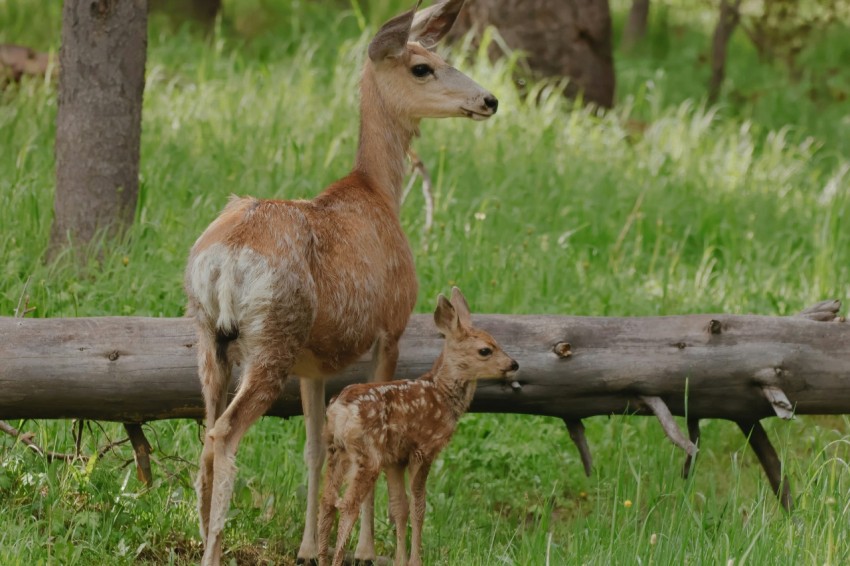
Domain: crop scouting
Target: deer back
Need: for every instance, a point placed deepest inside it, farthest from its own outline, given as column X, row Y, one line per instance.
column 343, row 254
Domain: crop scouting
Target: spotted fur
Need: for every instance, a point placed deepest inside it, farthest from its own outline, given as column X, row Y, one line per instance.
column 403, row 425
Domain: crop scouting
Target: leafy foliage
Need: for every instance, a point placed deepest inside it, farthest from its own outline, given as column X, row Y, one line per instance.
column 781, row 29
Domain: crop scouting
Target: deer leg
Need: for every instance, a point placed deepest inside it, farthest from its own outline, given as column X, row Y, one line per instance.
column 337, row 465
column 399, row 511
column 385, row 354
column 313, row 403
column 418, row 478
column 386, row 358
column 365, row 553
column 215, row 381
column 259, row 389
column 361, row 484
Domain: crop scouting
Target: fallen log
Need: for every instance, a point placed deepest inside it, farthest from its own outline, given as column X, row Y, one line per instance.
column 736, row 367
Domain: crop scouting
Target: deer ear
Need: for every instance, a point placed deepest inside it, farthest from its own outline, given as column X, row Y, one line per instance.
column 461, row 307
column 391, row 39
column 431, row 24
column 445, row 317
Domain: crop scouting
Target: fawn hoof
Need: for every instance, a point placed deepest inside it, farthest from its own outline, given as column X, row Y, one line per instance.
column 307, row 561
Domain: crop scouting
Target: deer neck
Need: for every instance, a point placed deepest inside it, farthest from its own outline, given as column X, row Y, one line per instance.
column 384, row 140
column 456, row 390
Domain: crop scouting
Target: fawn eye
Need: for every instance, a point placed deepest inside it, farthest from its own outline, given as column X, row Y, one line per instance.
column 421, row 70
column 484, row 352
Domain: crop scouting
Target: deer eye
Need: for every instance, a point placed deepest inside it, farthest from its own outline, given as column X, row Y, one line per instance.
column 421, row 70
column 484, row 352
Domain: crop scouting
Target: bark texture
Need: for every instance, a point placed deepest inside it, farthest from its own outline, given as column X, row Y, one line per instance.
column 561, row 38
column 705, row 366
column 727, row 21
column 98, row 124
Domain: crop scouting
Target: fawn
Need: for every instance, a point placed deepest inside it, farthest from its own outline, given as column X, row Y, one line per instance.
column 307, row 287
column 403, row 425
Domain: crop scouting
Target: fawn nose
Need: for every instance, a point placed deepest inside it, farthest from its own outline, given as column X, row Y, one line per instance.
column 514, row 365
column 491, row 102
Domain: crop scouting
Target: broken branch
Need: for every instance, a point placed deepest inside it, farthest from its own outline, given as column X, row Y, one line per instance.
column 576, row 430
column 26, row 439
column 766, row 453
column 693, row 434
column 141, row 452
column 671, row 429
column 779, row 401
column 418, row 166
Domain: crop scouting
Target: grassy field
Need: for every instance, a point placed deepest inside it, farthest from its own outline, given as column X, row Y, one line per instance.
column 738, row 208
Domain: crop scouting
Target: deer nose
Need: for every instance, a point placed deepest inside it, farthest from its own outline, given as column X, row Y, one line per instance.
column 514, row 365
column 491, row 102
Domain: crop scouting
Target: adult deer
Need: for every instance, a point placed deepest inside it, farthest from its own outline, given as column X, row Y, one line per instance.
column 306, row 287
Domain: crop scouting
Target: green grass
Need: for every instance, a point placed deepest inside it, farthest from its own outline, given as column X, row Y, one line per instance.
column 543, row 209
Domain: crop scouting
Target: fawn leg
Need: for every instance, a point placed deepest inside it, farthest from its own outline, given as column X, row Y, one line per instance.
column 385, row 353
column 313, row 403
column 337, row 465
column 418, row 478
column 398, row 511
column 361, row 484
column 365, row 553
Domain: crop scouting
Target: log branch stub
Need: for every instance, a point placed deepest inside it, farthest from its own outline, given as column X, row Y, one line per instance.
column 779, row 401
column 769, row 459
column 576, row 430
column 824, row 311
column 141, row 452
column 563, row 350
column 693, row 434
column 715, row 326
column 665, row 417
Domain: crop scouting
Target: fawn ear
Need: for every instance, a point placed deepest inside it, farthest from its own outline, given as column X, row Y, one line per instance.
column 391, row 39
column 461, row 308
column 445, row 317
column 434, row 22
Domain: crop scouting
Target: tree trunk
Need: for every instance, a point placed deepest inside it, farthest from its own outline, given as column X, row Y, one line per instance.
column 561, row 38
column 727, row 21
column 98, row 125
column 635, row 29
